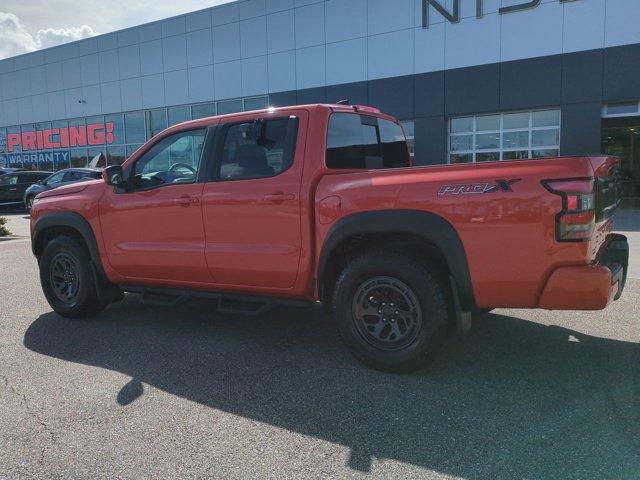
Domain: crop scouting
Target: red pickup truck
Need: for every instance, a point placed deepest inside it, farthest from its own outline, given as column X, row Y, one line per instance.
column 320, row 203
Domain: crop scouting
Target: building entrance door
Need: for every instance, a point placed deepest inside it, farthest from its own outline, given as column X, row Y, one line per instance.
column 621, row 137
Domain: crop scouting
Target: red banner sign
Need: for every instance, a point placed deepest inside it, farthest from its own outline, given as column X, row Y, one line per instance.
column 80, row 136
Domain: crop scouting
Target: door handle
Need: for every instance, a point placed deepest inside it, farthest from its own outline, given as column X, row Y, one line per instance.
column 185, row 200
column 278, row 197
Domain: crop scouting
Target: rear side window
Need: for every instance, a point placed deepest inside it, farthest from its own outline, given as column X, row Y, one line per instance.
column 9, row 180
column 26, row 178
column 258, row 149
column 364, row 142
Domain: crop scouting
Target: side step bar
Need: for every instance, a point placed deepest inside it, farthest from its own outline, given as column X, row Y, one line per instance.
column 163, row 299
column 227, row 303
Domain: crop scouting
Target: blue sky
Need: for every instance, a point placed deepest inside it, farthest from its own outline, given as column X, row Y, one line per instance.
column 29, row 25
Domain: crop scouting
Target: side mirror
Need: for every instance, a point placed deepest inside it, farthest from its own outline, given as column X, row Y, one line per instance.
column 113, row 175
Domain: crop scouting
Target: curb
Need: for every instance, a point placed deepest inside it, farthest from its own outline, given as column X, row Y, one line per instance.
column 12, row 237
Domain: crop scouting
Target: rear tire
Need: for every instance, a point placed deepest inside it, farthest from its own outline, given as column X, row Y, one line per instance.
column 67, row 278
column 391, row 311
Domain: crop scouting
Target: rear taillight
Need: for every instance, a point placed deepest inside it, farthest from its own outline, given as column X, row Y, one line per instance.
column 577, row 220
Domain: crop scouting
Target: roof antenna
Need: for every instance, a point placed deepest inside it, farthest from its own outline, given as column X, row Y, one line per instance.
column 343, row 102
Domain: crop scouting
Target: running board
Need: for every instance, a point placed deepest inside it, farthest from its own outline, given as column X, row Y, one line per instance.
column 162, row 299
column 239, row 306
column 233, row 304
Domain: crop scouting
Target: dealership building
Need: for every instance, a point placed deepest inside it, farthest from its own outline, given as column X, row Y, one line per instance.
column 471, row 80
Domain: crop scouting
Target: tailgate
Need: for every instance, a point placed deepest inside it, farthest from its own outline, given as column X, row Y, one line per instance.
column 606, row 172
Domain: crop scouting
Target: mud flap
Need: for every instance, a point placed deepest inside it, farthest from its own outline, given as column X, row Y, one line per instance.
column 107, row 291
column 463, row 319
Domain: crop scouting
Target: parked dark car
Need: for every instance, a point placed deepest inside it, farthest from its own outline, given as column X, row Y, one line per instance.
column 58, row 179
column 13, row 185
column 5, row 170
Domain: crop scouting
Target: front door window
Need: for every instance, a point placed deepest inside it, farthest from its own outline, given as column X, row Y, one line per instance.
column 174, row 159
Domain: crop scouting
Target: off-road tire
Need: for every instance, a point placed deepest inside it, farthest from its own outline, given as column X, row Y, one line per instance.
column 424, row 286
column 85, row 303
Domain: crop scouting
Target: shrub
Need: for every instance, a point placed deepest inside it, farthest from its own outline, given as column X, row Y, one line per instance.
column 4, row 231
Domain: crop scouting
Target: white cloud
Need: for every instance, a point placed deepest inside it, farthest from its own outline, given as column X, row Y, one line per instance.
column 51, row 37
column 15, row 39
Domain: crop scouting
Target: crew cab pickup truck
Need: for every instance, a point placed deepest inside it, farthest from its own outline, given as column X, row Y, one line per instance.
column 320, row 203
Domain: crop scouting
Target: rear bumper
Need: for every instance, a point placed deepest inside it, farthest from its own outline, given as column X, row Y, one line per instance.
column 589, row 287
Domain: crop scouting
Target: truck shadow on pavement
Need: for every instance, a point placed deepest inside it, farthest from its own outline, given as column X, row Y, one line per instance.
column 515, row 400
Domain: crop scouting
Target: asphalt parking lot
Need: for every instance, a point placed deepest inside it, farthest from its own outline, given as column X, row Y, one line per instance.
column 145, row 392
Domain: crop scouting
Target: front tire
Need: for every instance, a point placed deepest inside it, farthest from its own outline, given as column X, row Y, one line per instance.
column 67, row 278
column 391, row 311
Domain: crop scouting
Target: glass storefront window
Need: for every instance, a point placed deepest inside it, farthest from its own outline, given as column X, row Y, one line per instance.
column 93, row 152
column 621, row 137
column 118, row 128
column 14, row 160
column 134, row 127
column 132, row 148
column 61, row 159
column 116, row 155
column 96, row 119
column 203, row 110
column 461, row 158
column 78, row 157
column 156, row 121
column 504, row 136
column 230, row 106
column 56, row 138
column 256, row 103
column 178, row 115
column 3, row 147
column 75, row 122
column 45, row 161
column 488, row 123
column 621, row 109
column 463, row 124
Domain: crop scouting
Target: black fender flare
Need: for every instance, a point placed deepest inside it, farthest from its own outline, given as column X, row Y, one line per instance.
column 71, row 220
column 430, row 226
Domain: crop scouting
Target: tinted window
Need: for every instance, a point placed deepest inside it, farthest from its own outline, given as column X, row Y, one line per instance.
column 364, row 142
column 174, row 159
column 258, row 149
column 393, row 145
column 75, row 176
column 27, row 178
column 8, row 180
column 57, row 178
